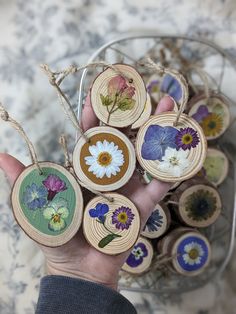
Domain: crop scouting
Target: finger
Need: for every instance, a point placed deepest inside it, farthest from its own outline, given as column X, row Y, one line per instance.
column 166, row 104
column 11, row 167
column 89, row 119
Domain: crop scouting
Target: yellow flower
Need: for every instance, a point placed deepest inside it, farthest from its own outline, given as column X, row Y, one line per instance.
column 212, row 124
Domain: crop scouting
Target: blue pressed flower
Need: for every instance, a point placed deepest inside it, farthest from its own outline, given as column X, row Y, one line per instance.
column 172, row 87
column 156, row 140
column 137, row 254
column 35, row 196
column 99, row 211
column 154, row 222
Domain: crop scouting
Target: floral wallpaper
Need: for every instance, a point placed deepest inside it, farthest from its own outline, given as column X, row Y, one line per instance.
column 64, row 32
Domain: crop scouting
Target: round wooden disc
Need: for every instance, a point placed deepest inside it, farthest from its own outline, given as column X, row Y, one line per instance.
column 216, row 166
column 158, row 87
column 145, row 114
column 199, row 206
column 193, row 254
column 153, row 142
column 213, row 114
column 107, row 162
column 47, row 206
column 158, row 223
column 140, row 258
column 119, row 118
column 111, row 227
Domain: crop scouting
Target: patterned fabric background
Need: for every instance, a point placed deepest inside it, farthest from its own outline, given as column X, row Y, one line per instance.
column 60, row 33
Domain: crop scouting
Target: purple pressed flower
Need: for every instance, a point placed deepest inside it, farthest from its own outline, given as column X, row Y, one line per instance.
column 153, row 87
column 99, row 211
column 54, row 185
column 122, row 217
column 156, row 140
column 187, row 138
column 201, row 113
column 136, row 256
column 172, row 87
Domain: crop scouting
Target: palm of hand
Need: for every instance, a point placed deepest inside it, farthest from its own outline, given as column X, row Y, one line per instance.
column 77, row 258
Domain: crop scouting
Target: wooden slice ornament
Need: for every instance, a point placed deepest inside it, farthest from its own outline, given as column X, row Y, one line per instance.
column 216, row 166
column 46, row 199
column 112, row 227
column 193, row 254
column 118, row 95
column 158, row 223
column 158, row 86
column 140, row 258
column 145, row 114
column 47, row 206
column 211, row 113
column 196, row 203
column 171, row 146
column 106, row 161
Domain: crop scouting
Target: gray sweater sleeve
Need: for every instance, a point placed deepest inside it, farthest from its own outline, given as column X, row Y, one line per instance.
column 62, row 295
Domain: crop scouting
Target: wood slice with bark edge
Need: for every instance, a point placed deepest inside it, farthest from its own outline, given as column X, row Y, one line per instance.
column 183, row 214
column 198, row 100
column 213, row 152
column 145, row 265
column 196, row 155
column 175, row 263
column 94, row 231
column 119, row 118
column 165, row 213
column 156, row 97
column 31, row 231
column 145, row 114
column 112, row 184
column 187, row 188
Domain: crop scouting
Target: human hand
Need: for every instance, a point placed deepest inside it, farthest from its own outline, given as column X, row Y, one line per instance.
column 77, row 258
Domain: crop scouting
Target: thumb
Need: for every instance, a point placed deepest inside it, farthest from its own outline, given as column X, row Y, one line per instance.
column 11, row 167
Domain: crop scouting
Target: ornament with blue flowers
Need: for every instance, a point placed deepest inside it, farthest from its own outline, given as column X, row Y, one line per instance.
column 170, row 151
column 193, row 253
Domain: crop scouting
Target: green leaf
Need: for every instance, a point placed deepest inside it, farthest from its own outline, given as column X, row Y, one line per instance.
column 108, row 239
column 126, row 104
column 106, row 100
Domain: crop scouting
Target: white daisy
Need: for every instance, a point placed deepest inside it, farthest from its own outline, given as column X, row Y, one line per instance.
column 174, row 162
column 105, row 160
column 194, row 253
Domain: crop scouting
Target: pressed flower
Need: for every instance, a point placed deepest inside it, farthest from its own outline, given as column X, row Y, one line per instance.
column 137, row 255
column 99, row 211
column 116, row 85
column 202, row 112
column 154, row 222
column 187, row 138
column 153, row 87
column 201, row 205
column 122, row 217
column 174, row 162
column 156, row 140
column 172, row 87
column 214, row 166
column 105, row 160
column 54, row 185
column 212, row 125
column 34, row 196
column 56, row 212
column 193, row 253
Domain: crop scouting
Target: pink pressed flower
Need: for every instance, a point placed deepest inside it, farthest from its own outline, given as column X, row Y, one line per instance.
column 116, row 85
column 54, row 185
column 128, row 92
